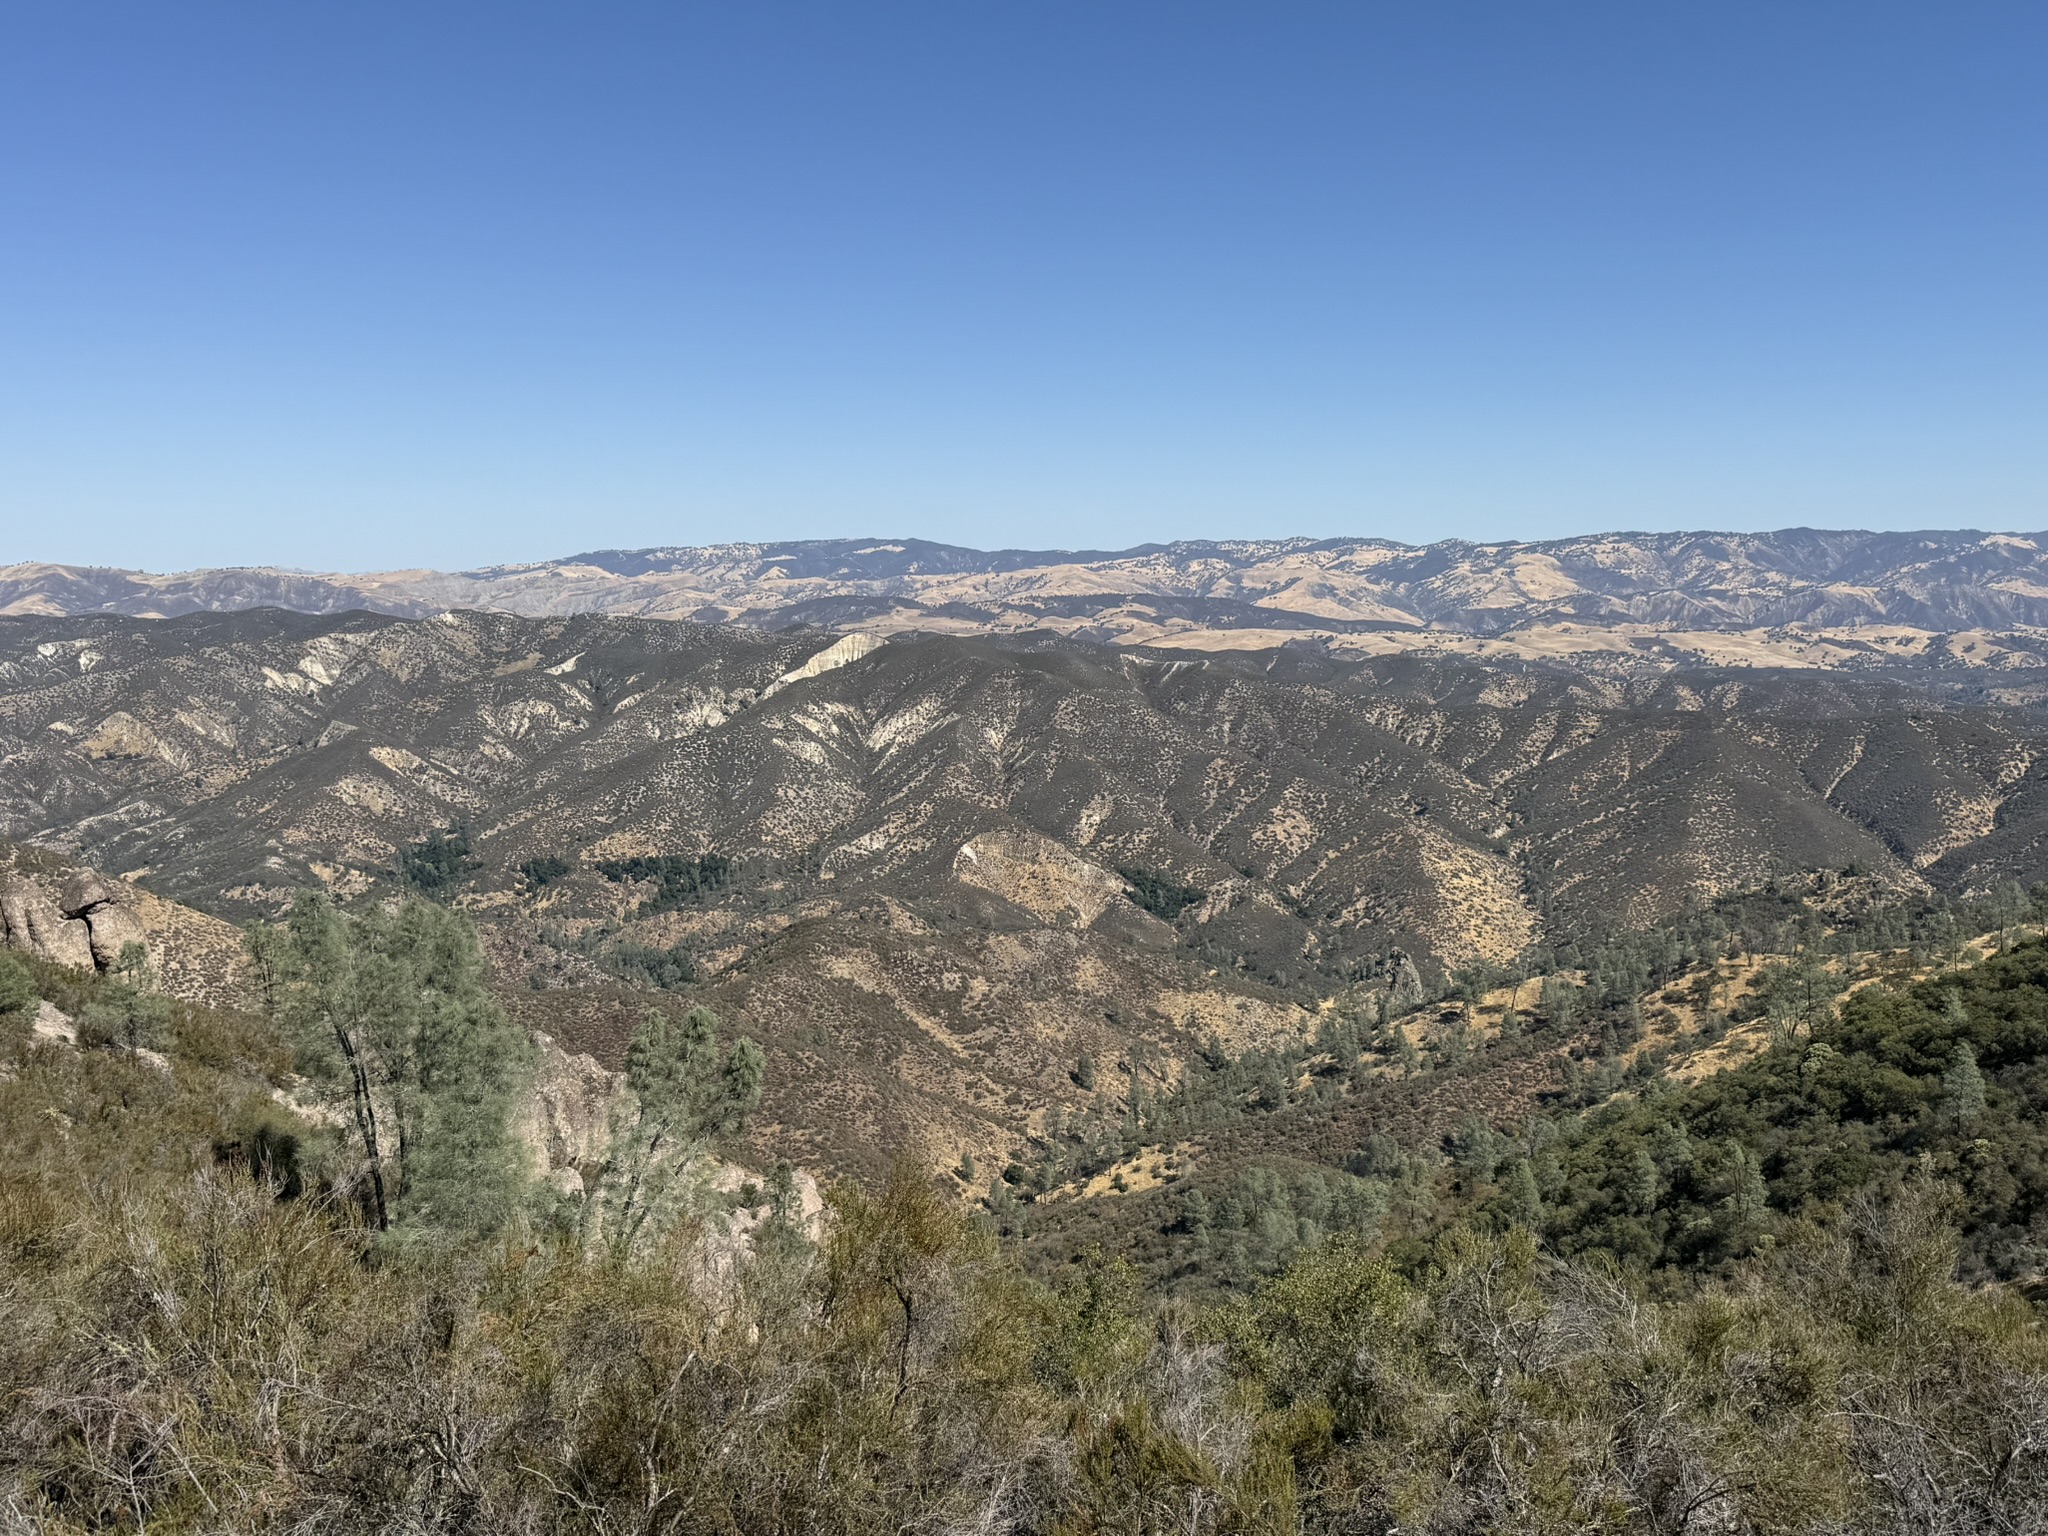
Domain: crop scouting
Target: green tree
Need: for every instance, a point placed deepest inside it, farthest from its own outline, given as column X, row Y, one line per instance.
column 1962, row 1085
column 390, row 1018
column 1525, row 1201
column 1747, row 1201
column 1644, row 1184
column 436, row 866
column 1560, row 1001
column 683, row 1089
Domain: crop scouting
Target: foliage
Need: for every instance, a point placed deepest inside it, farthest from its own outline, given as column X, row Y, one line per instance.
column 665, row 969
column 199, row 1340
column 18, row 992
column 684, row 1089
column 545, row 870
column 390, row 1019
column 680, row 880
column 1161, row 895
column 188, row 1352
column 435, row 867
column 1949, row 1076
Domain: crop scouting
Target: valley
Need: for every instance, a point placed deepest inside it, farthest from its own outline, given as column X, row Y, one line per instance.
column 951, row 1032
column 933, row 872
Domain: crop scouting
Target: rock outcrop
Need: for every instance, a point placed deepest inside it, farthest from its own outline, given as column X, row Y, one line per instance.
column 112, row 929
column 85, row 925
column 34, row 925
column 566, row 1124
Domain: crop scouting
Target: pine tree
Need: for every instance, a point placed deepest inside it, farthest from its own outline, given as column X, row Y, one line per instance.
column 390, row 1017
column 1747, row 1203
column 683, row 1090
column 1525, row 1201
column 1962, row 1085
column 1644, row 1183
column 1560, row 1001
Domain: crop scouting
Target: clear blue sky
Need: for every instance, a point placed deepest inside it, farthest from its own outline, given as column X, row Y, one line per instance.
column 361, row 285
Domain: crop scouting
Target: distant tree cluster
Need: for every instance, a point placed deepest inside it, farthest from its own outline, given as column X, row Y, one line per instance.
column 680, row 879
column 545, row 870
column 1161, row 895
column 439, row 864
column 666, row 970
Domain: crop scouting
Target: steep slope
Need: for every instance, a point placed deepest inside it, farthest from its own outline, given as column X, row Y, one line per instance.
column 935, row 873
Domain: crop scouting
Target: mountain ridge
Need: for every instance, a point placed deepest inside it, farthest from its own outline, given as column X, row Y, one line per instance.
column 1794, row 596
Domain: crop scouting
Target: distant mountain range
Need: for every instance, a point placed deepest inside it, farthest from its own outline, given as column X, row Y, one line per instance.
column 1795, row 597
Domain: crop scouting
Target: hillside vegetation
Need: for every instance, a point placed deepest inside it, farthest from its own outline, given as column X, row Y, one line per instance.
column 932, row 877
column 207, row 1327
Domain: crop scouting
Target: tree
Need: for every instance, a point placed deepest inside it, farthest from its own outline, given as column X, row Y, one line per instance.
column 682, row 1090
column 1560, row 1001
column 438, row 864
column 1525, row 1201
column 1747, row 1199
column 1962, row 1086
column 1644, row 1184
column 1474, row 1147
column 389, row 1017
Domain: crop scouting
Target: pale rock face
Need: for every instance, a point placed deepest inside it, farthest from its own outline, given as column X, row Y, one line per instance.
column 567, row 1121
column 847, row 648
column 54, row 1025
column 68, row 943
column 111, row 928
column 14, row 898
column 84, row 891
column 36, row 926
column 84, row 928
column 1040, row 875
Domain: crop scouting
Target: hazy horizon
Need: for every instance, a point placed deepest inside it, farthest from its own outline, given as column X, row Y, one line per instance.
column 872, row 542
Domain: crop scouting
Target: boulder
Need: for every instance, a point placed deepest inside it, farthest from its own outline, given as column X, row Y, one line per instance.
column 111, row 927
column 85, row 891
column 68, row 942
column 53, row 1024
column 34, row 924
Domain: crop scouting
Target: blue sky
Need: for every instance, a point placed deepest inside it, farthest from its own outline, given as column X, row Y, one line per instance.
column 378, row 285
